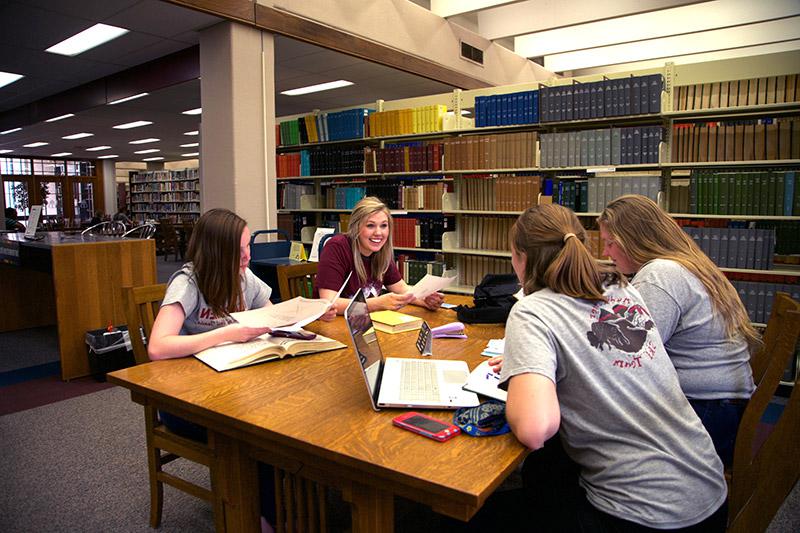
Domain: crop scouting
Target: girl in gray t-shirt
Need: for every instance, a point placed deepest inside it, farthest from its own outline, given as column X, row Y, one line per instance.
column 583, row 358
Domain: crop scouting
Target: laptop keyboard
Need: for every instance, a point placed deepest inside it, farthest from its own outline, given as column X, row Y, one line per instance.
column 418, row 381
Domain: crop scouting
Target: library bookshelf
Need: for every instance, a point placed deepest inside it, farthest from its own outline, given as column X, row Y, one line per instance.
column 170, row 194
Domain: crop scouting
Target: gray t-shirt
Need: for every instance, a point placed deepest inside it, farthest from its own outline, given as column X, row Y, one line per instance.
column 183, row 289
column 644, row 454
column 710, row 365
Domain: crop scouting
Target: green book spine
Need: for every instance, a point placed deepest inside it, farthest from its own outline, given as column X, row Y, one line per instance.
column 722, row 206
column 779, row 187
column 737, row 194
column 715, row 194
column 769, row 177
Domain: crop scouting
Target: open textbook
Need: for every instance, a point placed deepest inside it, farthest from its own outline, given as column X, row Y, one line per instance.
column 290, row 315
column 483, row 380
column 231, row 355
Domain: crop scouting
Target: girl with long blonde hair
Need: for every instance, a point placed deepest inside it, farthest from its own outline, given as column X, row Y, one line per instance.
column 699, row 315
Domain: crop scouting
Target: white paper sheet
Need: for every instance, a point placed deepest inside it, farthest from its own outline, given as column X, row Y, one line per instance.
column 430, row 284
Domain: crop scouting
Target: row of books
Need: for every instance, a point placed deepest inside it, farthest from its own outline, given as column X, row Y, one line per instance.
column 322, row 127
column 743, row 193
column 736, row 247
column 573, row 194
column 404, row 157
column 485, row 233
column 757, row 297
column 602, row 189
column 289, row 194
column 737, row 93
column 634, row 95
column 165, row 186
column 741, row 140
column 184, row 196
column 787, row 233
column 168, row 176
column 609, row 146
column 420, row 232
column 497, row 193
column 320, row 162
column 414, row 270
column 472, row 268
column 507, row 109
column 482, row 152
column 422, row 119
column 343, row 197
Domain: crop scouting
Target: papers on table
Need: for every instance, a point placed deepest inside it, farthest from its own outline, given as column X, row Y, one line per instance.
column 430, row 284
column 494, row 348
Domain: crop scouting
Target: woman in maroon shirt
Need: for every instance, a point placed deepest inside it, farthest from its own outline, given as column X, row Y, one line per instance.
column 366, row 251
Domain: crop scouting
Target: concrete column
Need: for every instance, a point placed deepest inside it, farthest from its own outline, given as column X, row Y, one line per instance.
column 109, row 185
column 237, row 148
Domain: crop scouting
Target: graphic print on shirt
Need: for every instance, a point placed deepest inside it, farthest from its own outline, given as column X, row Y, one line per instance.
column 207, row 319
column 620, row 329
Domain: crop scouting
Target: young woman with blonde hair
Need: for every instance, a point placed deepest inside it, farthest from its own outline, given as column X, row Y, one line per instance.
column 366, row 251
column 698, row 313
column 582, row 359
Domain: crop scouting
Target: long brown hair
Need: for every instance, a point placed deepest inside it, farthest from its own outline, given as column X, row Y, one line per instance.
column 214, row 250
column 645, row 232
column 554, row 258
column 380, row 260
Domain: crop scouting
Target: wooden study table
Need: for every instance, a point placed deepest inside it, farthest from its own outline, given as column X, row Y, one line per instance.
column 312, row 416
column 72, row 281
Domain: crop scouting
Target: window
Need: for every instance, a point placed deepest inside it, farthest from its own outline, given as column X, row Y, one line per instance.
column 17, row 196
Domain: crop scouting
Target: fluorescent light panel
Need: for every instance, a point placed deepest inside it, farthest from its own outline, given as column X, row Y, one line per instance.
column 686, row 19
column 9, row 131
column 127, row 98
column 97, row 148
column 317, row 88
column 112, row 156
column 195, row 132
column 134, row 124
column 60, row 117
column 145, row 141
column 78, row 135
column 190, row 145
column 35, row 145
column 192, row 154
column 87, row 39
column 8, row 77
column 61, row 154
column 148, row 151
column 707, row 41
column 6, row 151
column 195, row 111
column 152, row 159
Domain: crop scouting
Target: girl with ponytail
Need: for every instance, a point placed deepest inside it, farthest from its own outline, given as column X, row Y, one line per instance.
column 583, row 359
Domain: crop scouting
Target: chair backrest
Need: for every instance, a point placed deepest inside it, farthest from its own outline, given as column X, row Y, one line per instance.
column 144, row 231
column 109, row 227
column 141, row 307
column 296, row 280
column 322, row 242
column 762, row 478
column 270, row 250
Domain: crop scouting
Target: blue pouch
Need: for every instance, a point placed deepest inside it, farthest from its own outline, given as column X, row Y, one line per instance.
column 485, row 420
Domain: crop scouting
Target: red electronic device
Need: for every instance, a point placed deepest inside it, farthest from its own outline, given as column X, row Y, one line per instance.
column 426, row 426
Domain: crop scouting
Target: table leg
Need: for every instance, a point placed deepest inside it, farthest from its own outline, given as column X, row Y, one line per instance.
column 237, row 479
column 372, row 509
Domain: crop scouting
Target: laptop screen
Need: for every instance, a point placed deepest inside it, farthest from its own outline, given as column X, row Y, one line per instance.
column 365, row 341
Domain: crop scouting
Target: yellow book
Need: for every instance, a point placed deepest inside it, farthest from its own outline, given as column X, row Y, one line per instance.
column 394, row 322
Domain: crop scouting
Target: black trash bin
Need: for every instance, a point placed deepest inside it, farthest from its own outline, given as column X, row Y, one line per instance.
column 109, row 351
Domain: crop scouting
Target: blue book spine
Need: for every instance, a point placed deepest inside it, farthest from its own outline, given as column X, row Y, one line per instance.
column 535, row 118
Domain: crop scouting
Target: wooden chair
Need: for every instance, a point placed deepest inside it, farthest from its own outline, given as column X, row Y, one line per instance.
column 300, row 504
column 141, row 306
column 296, row 280
column 169, row 239
column 762, row 478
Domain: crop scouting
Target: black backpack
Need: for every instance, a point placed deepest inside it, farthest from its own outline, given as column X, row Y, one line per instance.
column 494, row 298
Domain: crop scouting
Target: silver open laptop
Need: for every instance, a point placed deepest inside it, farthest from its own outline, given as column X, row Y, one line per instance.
column 404, row 382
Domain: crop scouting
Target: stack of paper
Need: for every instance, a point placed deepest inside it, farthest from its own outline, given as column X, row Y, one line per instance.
column 494, row 348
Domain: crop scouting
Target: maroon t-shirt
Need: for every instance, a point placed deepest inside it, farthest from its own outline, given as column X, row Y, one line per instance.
column 336, row 262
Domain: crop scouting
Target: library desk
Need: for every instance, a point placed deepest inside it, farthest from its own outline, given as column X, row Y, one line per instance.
column 73, row 282
column 312, row 416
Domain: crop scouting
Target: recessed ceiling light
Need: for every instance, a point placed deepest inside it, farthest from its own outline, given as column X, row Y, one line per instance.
column 78, row 135
column 129, row 125
column 35, row 145
column 192, row 154
column 189, row 145
column 127, row 98
column 195, row 132
column 148, row 151
column 145, row 141
column 195, row 111
column 9, row 131
column 152, row 159
column 107, row 156
column 319, row 87
column 61, row 154
column 60, row 117
column 8, row 77
column 6, row 151
column 87, row 39
column 97, row 148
